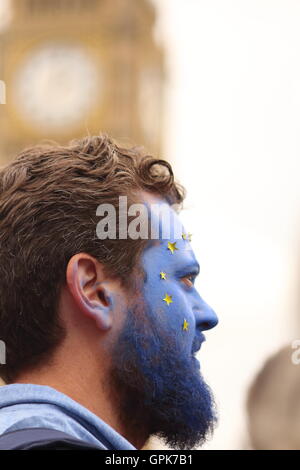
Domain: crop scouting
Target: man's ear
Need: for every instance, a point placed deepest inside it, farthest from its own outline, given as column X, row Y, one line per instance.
column 88, row 286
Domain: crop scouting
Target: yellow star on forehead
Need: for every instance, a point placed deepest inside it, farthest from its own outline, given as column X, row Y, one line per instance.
column 162, row 275
column 184, row 236
column 172, row 247
column 185, row 325
column 168, row 299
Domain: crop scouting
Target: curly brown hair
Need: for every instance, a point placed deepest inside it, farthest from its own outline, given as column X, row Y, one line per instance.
column 48, row 200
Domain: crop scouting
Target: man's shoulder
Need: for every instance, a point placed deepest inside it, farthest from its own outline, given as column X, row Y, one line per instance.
column 42, row 439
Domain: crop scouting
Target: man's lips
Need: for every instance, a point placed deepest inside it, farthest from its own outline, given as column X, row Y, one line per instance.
column 199, row 339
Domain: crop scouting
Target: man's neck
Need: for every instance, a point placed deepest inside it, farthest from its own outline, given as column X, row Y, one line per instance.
column 86, row 388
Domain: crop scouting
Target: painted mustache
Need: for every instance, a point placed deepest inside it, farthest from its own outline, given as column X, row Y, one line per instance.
column 199, row 339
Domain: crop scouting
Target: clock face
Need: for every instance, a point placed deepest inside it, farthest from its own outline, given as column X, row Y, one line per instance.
column 56, row 87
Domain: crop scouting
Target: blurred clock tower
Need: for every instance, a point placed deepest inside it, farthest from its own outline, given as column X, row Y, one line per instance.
column 78, row 67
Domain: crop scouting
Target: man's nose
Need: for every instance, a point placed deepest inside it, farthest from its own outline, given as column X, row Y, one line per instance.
column 206, row 317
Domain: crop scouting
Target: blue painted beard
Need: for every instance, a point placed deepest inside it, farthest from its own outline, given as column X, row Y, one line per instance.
column 160, row 390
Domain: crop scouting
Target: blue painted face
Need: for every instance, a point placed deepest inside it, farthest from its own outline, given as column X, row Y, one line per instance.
column 161, row 389
column 169, row 288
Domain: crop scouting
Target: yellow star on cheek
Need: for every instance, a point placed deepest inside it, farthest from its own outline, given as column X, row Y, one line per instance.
column 185, row 325
column 168, row 299
column 163, row 275
column 172, row 247
column 189, row 237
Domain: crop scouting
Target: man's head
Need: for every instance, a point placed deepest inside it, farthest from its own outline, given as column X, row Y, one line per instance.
column 123, row 312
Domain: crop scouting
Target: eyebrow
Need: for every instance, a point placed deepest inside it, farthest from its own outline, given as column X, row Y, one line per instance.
column 191, row 268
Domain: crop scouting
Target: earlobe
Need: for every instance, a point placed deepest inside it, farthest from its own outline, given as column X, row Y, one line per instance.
column 88, row 287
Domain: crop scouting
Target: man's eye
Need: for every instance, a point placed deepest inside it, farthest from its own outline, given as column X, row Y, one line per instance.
column 189, row 280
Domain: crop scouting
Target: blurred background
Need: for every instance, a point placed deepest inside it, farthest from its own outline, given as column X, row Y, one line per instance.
column 213, row 86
